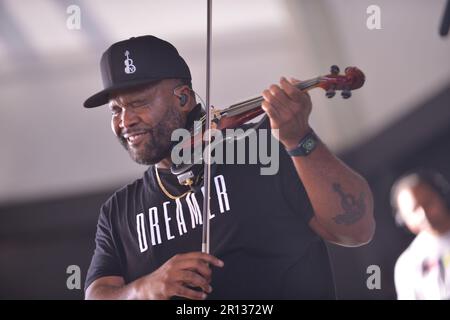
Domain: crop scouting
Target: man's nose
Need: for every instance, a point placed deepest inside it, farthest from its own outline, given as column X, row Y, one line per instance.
column 128, row 118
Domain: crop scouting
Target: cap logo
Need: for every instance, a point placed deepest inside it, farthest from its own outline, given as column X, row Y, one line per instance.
column 129, row 66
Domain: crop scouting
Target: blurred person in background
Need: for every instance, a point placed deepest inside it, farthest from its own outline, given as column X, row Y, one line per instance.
column 422, row 202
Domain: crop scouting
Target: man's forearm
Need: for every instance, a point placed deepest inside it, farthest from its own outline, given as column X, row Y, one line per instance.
column 111, row 292
column 341, row 199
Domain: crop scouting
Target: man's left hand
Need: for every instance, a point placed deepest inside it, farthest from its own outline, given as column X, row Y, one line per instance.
column 288, row 109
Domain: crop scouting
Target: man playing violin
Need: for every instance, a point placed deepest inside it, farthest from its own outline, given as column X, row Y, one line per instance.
column 268, row 232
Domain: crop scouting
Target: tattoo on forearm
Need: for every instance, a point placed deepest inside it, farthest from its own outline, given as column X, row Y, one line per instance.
column 353, row 209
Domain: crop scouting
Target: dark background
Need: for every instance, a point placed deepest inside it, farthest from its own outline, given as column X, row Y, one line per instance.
column 38, row 245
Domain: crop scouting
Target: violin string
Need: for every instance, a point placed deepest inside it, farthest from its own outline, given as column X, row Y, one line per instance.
column 253, row 102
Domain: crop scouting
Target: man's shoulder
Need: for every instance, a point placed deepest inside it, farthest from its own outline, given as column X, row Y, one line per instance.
column 404, row 258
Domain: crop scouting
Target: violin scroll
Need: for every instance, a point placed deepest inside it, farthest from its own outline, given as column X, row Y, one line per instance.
column 352, row 79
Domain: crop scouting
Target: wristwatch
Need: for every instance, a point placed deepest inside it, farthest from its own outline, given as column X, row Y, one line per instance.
column 306, row 145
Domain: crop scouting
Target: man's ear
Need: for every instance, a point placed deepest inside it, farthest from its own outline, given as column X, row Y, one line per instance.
column 184, row 94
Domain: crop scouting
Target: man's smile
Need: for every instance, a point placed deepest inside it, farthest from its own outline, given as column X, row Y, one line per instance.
column 136, row 138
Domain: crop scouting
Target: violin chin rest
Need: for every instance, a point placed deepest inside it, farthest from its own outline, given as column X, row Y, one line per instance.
column 188, row 174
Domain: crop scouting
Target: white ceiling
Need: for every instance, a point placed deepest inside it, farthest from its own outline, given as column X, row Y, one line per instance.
column 54, row 147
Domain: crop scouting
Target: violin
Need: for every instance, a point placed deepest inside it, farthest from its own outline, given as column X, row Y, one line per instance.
column 240, row 113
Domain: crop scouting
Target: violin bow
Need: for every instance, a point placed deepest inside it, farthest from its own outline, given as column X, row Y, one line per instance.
column 242, row 112
column 207, row 156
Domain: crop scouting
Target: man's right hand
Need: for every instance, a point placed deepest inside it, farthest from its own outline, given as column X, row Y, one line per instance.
column 177, row 277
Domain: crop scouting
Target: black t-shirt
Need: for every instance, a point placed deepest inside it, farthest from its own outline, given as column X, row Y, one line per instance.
column 259, row 228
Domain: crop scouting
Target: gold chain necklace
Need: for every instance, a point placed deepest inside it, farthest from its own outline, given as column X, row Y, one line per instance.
column 164, row 190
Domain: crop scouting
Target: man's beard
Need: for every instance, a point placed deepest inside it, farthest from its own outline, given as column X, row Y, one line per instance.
column 158, row 145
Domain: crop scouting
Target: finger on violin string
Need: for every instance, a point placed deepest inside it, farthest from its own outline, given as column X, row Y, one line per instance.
column 279, row 94
column 293, row 80
column 277, row 98
column 293, row 92
column 268, row 96
column 270, row 111
column 287, row 106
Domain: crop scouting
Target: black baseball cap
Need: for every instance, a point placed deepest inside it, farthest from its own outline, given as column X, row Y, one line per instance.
column 137, row 61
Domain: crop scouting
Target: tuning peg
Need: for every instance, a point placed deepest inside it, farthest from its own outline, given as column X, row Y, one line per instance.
column 346, row 94
column 330, row 93
column 334, row 70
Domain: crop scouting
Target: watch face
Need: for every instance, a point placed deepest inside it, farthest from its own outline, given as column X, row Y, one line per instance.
column 309, row 144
